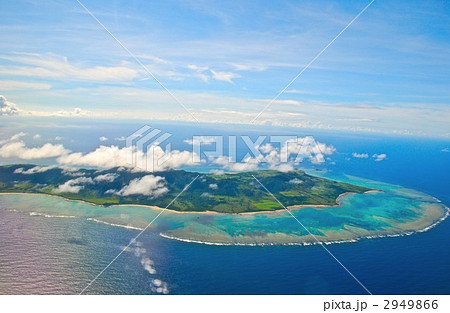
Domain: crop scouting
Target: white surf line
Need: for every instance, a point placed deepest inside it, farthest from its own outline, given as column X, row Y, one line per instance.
column 135, row 238
column 136, row 59
column 315, row 238
column 309, row 64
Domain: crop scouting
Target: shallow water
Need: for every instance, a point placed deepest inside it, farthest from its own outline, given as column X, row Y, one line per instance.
column 395, row 210
column 54, row 246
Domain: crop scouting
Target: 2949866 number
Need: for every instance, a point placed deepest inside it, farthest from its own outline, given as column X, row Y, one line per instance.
column 410, row 304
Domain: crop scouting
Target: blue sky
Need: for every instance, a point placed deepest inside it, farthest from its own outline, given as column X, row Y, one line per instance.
column 388, row 72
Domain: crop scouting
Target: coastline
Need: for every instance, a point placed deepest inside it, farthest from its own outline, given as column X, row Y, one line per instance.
column 292, row 207
column 317, row 206
column 432, row 215
column 328, row 239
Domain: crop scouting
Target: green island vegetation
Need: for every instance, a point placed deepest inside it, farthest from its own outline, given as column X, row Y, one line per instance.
column 224, row 193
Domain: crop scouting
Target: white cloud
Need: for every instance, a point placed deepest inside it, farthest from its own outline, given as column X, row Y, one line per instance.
column 76, row 112
column 224, row 76
column 301, row 92
column 19, row 150
column 70, row 171
column 203, row 140
column 295, row 181
column 12, row 138
column 19, row 85
column 445, row 150
column 52, row 66
column 200, row 72
column 205, row 73
column 103, row 138
column 296, row 150
column 74, row 185
column 7, row 107
column 282, row 159
column 114, row 156
column 248, row 164
column 121, row 138
column 379, row 157
column 33, row 170
column 213, row 186
column 103, row 156
column 283, row 167
column 176, row 158
column 360, row 155
column 418, row 118
column 149, row 185
column 37, row 136
column 248, row 67
column 109, row 177
column 17, row 136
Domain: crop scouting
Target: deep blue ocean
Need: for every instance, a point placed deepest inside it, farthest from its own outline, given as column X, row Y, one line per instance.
column 416, row 264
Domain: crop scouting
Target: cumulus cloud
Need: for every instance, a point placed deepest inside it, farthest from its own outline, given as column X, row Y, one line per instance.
column 213, row 186
column 299, row 149
column 37, row 136
column 7, row 108
column 33, row 170
column 18, row 149
column 70, row 171
column 149, row 185
column 282, row 167
column 292, row 151
column 103, row 138
column 295, row 181
column 114, row 156
column 103, row 156
column 74, row 185
column 76, row 112
column 379, row 157
column 110, row 177
column 248, row 164
column 360, row 155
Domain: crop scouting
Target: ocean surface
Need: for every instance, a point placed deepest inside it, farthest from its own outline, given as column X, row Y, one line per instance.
column 40, row 254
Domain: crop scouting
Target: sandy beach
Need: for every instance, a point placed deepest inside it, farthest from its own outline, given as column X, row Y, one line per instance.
column 292, row 207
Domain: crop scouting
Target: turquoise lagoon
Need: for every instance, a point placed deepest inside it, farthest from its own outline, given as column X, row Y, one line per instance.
column 391, row 210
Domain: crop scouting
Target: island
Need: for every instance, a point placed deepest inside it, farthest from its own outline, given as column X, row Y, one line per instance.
column 221, row 193
column 222, row 208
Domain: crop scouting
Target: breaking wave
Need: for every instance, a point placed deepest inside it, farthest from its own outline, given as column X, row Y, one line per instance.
column 50, row 216
column 112, row 224
column 327, row 242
